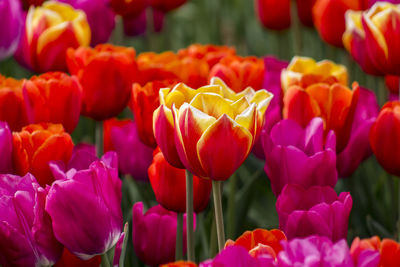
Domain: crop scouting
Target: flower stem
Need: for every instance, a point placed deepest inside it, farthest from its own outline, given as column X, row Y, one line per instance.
column 99, row 138
column 124, row 245
column 189, row 216
column 219, row 220
column 179, row 238
column 105, row 261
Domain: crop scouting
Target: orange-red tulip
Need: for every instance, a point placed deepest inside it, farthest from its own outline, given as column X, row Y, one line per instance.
column 169, row 186
column 53, row 97
column 210, row 53
column 106, row 74
column 240, row 72
column 144, row 100
column 329, row 18
column 11, row 102
column 50, row 30
column 385, row 137
column 335, row 104
column 273, row 14
column 38, row 144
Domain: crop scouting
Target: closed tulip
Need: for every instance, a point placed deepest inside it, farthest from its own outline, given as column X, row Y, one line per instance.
column 335, row 104
column 393, row 84
column 26, row 233
column 371, row 37
column 221, row 127
column 304, row 11
column 384, row 137
column 128, row 8
column 314, row 211
column 106, row 97
column 154, row 234
column 169, row 186
column 50, row 30
column 144, row 100
column 274, row 14
column 210, row 53
column 296, row 155
column 53, row 97
column 6, row 165
column 134, row 157
column 12, row 110
column 240, row 72
column 305, row 71
column 85, row 207
column 11, row 27
column 38, row 144
column 101, row 29
column 166, row 5
column 329, row 18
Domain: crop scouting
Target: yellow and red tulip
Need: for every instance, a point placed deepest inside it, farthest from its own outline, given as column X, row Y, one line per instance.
column 214, row 128
column 49, row 31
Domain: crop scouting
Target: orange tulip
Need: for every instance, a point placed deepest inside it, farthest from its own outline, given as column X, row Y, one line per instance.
column 212, row 54
column 53, row 97
column 144, row 100
column 179, row 264
column 106, row 74
column 214, row 128
column 335, row 104
column 240, row 72
column 269, row 241
column 38, row 144
column 11, row 102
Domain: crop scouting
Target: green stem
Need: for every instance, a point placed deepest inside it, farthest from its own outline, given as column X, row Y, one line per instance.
column 232, row 206
column 219, row 220
column 189, row 216
column 179, row 238
column 213, row 240
column 99, row 138
column 105, row 261
column 296, row 29
column 124, row 245
column 398, row 211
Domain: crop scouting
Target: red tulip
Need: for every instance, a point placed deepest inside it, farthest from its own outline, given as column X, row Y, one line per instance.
column 68, row 259
column 53, row 97
column 106, row 74
column 169, row 185
column 38, row 144
column 166, row 5
column 392, row 83
column 304, row 11
column 273, row 14
column 385, row 137
column 130, row 8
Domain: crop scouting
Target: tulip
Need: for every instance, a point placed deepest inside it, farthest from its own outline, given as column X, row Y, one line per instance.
column 53, row 97
column 384, row 136
column 134, row 26
column 239, row 72
column 50, row 30
column 106, row 97
column 144, row 100
column 26, row 234
column 214, row 116
column 371, row 38
column 274, row 14
column 85, row 207
column 258, row 239
column 5, row 148
column 180, row 264
column 358, row 147
column 154, row 234
column 305, row 71
column 11, row 27
column 315, row 251
column 82, row 156
column 366, row 250
column 303, row 155
column 169, row 186
column 336, row 104
column 36, row 145
column 101, row 28
column 12, row 104
column 210, row 53
column 304, row 11
column 134, row 157
column 166, row 5
column 329, row 18
column 28, row 3
column 316, row 210
column 393, row 83
column 68, row 259
column 128, row 8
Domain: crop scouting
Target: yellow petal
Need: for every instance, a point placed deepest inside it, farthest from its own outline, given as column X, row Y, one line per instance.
column 213, row 105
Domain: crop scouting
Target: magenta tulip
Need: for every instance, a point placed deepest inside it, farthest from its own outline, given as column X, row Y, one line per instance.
column 314, row 211
column 26, row 234
column 85, row 207
column 5, row 148
column 299, row 156
column 154, row 234
column 11, row 26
